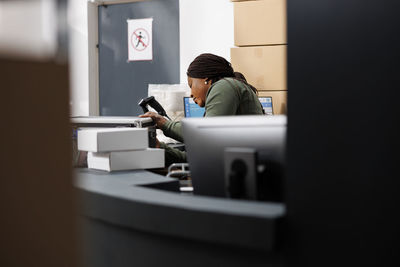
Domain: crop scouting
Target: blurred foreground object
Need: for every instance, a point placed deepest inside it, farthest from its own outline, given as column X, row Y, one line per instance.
column 34, row 29
column 37, row 224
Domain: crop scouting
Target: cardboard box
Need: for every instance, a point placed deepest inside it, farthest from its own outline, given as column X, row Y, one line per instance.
column 279, row 100
column 260, row 22
column 126, row 160
column 263, row 66
column 112, row 139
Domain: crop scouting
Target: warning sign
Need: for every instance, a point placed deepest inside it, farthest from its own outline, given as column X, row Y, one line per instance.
column 140, row 43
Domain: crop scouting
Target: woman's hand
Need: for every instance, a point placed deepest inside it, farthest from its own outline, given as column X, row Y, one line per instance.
column 157, row 118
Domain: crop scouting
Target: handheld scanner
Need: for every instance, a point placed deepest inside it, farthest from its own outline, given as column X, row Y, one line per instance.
column 144, row 102
column 152, row 102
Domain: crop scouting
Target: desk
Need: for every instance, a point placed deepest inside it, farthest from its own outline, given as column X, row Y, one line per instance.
column 128, row 216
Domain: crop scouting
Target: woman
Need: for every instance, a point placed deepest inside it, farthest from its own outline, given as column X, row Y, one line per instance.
column 215, row 86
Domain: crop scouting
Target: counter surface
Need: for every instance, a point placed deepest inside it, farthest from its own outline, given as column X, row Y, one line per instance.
column 152, row 203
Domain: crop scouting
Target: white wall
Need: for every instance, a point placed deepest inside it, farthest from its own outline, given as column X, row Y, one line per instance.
column 206, row 26
column 78, row 57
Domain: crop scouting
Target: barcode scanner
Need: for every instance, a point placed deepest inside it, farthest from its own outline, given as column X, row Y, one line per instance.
column 153, row 103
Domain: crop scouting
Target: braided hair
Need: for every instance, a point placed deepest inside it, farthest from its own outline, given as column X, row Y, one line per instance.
column 214, row 68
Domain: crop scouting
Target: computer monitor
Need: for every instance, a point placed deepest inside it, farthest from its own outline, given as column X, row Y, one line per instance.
column 192, row 110
column 266, row 102
column 206, row 140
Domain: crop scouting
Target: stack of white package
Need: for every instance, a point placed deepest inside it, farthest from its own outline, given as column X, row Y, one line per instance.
column 125, row 148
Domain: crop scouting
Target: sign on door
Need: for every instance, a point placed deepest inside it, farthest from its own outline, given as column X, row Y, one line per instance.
column 140, row 39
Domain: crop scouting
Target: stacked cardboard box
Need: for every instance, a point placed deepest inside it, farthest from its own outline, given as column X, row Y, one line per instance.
column 260, row 37
column 112, row 149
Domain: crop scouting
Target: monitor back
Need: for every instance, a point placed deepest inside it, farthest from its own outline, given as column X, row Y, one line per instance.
column 207, row 138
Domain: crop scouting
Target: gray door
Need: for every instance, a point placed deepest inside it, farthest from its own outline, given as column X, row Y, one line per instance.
column 122, row 83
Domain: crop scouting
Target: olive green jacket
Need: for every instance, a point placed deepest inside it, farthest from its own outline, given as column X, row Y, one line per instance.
column 226, row 97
